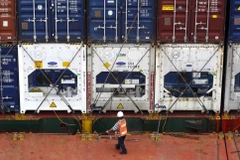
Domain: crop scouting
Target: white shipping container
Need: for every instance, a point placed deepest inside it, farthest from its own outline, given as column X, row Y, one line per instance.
column 121, row 78
column 188, row 77
column 52, row 77
column 232, row 83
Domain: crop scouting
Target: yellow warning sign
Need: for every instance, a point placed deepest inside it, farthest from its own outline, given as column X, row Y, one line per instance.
column 106, row 64
column 66, row 64
column 239, row 8
column 53, row 105
column 167, row 7
column 38, row 64
column 120, row 106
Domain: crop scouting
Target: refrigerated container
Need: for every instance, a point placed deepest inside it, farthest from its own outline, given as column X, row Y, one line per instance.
column 120, row 78
column 200, row 21
column 121, row 20
column 9, row 83
column 52, row 77
column 188, row 77
column 7, row 21
column 51, row 20
column 232, row 82
column 234, row 22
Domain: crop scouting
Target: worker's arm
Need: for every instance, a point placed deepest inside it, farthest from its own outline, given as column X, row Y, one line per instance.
column 114, row 128
column 110, row 130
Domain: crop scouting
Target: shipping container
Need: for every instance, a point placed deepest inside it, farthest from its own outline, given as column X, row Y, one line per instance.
column 118, row 21
column 232, row 83
column 52, row 77
column 198, row 21
column 234, row 22
column 120, row 78
column 188, row 77
column 7, row 21
column 9, row 83
column 51, row 20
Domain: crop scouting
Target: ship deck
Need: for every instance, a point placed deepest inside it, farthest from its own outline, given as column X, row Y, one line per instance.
column 73, row 147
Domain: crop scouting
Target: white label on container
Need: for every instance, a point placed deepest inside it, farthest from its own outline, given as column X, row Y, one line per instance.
column 110, row 12
column 110, row 1
column 5, row 23
column 39, row 7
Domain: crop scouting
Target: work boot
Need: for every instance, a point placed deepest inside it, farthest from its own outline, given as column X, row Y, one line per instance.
column 117, row 147
column 123, row 152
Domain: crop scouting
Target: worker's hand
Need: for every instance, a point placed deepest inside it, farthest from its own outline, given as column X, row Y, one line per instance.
column 107, row 131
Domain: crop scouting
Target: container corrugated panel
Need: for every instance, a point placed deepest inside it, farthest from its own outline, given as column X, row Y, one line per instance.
column 45, row 65
column 126, row 84
column 200, row 21
column 189, row 77
column 116, row 21
column 232, row 83
column 9, row 83
column 234, row 24
column 55, row 20
column 7, row 21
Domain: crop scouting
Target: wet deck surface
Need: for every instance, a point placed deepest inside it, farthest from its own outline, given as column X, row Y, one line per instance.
column 71, row 147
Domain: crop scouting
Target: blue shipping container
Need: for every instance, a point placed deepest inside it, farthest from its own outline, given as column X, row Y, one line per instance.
column 234, row 24
column 116, row 21
column 51, row 20
column 9, row 83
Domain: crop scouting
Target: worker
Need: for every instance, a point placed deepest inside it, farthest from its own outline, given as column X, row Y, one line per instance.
column 121, row 127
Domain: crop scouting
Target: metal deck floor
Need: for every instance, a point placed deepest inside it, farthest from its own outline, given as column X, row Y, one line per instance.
column 71, row 147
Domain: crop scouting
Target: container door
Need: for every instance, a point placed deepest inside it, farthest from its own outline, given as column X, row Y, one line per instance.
column 33, row 20
column 9, row 84
column 234, row 24
column 138, row 25
column 7, row 21
column 104, row 20
column 67, row 20
column 173, row 20
column 232, row 85
column 208, row 24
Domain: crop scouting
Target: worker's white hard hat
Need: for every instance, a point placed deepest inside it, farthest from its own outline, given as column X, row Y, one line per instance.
column 120, row 114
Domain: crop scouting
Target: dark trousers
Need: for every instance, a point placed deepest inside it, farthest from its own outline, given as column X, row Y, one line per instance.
column 121, row 144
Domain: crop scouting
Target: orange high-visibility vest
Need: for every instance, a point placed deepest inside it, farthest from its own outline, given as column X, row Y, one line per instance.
column 122, row 127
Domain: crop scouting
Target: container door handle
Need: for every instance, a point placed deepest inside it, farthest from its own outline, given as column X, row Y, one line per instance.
column 207, row 28
column 104, row 22
column 186, row 22
column 34, row 21
column 116, row 22
column 138, row 23
column 196, row 22
column 126, row 22
column 56, row 21
column 46, row 21
column 68, row 35
column 174, row 21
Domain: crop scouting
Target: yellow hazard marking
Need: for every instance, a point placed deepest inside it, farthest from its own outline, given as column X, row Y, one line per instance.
column 107, row 64
column 53, row 105
column 214, row 16
column 38, row 64
column 239, row 8
column 65, row 64
column 120, row 106
column 167, row 7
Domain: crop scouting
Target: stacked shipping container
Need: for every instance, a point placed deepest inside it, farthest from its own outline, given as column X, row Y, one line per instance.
column 121, row 69
column 9, row 80
column 122, row 58
column 189, row 57
column 52, row 75
column 232, row 84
